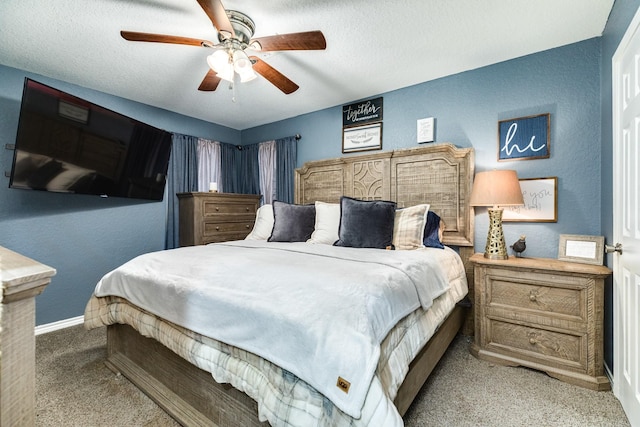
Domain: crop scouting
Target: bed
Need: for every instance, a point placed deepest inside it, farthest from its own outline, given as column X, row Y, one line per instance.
column 258, row 379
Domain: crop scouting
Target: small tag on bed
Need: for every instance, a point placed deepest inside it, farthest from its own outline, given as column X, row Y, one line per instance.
column 343, row 385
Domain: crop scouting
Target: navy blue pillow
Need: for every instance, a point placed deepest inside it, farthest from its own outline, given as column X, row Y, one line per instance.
column 292, row 223
column 366, row 224
column 431, row 231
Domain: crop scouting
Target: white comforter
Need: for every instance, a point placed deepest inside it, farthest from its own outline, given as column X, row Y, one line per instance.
column 322, row 317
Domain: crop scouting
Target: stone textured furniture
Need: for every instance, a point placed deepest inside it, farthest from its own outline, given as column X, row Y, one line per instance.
column 22, row 280
column 216, row 217
column 544, row 314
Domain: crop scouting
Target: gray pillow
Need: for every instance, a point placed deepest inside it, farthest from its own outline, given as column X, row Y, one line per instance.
column 292, row 223
column 366, row 224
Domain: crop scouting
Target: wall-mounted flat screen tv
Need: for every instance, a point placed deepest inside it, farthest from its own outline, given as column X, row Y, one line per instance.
column 70, row 145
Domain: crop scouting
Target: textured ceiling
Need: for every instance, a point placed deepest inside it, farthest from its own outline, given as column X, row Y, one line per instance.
column 373, row 47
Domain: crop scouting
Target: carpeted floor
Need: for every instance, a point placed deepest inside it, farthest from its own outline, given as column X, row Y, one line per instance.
column 74, row 388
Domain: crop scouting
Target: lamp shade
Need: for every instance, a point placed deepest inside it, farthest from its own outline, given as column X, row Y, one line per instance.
column 496, row 188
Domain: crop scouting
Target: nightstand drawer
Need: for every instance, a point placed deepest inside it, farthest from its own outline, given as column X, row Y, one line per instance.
column 538, row 344
column 519, row 294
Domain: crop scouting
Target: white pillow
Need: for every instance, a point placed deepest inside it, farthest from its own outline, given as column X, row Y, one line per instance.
column 408, row 227
column 263, row 225
column 327, row 223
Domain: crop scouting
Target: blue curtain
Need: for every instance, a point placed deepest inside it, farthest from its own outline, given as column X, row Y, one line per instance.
column 249, row 170
column 182, row 177
column 229, row 161
column 286, row 158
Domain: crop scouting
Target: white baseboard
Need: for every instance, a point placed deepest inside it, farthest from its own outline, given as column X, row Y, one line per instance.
column 60, row 324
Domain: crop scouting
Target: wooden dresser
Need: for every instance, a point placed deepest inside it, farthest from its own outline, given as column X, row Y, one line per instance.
column 541, row 313
column 22, row 279
column 215, row 217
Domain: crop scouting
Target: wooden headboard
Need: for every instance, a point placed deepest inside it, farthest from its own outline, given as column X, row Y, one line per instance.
column 439, row 174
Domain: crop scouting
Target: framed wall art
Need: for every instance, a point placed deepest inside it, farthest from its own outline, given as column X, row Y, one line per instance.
column 582, row 249
column 361, row 113
column 362, row 138
column 524, row 138
column 540, row 201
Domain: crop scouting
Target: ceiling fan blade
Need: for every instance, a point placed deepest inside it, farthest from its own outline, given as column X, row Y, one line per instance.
column 309, row 40
column 276, row 78
column 161, row 38
column 210, row 82
column 218, row 16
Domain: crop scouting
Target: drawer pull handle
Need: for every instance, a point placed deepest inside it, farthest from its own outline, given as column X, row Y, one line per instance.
column 217, row 209
column 247, row 208
column 217, row 228
column 533, row 341
column 247, row 226
column 533, row 297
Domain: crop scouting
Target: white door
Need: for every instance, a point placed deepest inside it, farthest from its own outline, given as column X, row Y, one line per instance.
column 626, row 221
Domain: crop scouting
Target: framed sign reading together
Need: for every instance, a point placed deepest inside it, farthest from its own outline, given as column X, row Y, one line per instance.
column 524, row 138
column 361, row 113
column 540, row 197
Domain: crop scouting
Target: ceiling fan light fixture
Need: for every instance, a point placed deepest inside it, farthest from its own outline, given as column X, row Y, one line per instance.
column 218, row 60
column 226, row 73
column 247, row 75
column 243, row 66
column 241, row 61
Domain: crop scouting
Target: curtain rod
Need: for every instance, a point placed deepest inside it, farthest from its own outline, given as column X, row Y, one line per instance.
column 297, row 136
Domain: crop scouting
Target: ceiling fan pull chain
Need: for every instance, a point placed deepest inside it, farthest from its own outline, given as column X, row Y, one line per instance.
column 232, row 86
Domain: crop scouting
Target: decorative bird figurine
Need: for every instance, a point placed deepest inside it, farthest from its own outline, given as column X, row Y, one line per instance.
column 519, row 246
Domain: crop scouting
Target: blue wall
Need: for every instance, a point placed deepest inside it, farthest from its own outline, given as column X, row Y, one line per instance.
column 83, row 237
column 564, row 82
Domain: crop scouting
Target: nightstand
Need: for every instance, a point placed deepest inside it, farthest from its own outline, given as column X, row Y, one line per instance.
column 541, row 313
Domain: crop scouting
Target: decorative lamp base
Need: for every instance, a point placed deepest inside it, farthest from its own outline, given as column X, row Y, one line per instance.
column 495, row 248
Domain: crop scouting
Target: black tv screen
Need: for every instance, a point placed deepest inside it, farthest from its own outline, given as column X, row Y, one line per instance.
column 70, row 145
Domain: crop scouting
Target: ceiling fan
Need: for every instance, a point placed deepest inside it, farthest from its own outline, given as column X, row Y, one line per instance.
column 235, row 32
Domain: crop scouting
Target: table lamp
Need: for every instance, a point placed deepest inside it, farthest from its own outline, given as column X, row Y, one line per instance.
column 496, row 188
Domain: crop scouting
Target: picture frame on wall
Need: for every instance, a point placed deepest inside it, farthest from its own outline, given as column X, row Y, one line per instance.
column 524, row 138
column 581, row 248
column 540, row 197
column 362, row 112
column 362, row 138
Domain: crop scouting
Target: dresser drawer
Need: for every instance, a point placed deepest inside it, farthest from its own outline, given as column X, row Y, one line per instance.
column 536, row 297
column 538, row 345
column 211, row 228
column 214, row 208
column 222, row 237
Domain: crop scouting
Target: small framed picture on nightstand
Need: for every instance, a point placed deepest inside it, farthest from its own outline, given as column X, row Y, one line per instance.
column 583, row 249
